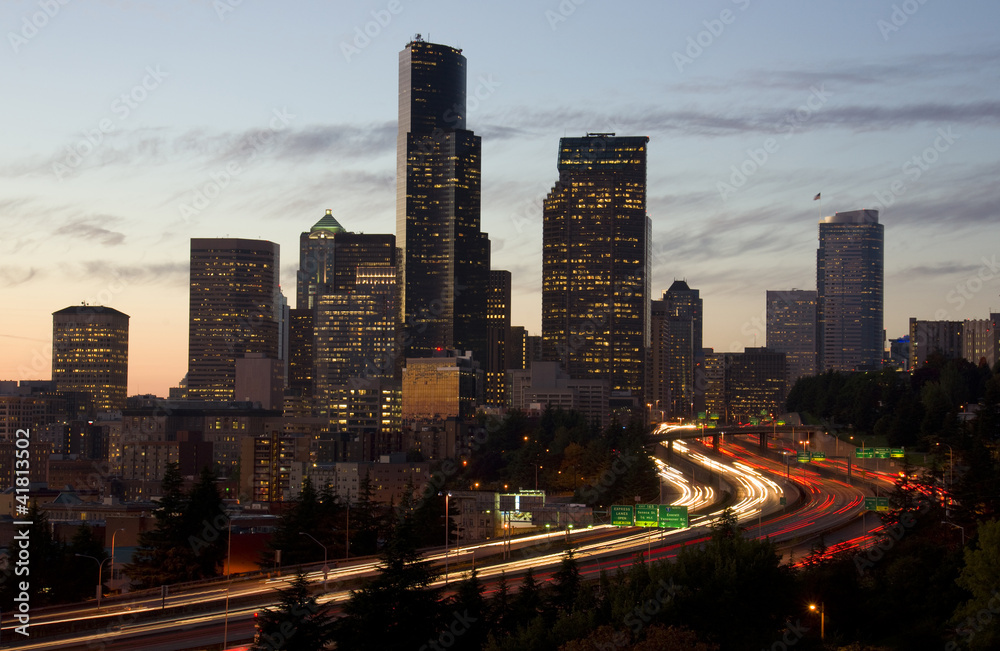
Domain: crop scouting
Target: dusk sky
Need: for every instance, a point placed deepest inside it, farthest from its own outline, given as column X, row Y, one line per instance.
column 116, row 114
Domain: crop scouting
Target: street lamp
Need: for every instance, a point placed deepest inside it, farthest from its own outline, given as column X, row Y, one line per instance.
column 113, row 554
column 100, row 566
column 822, row 619
column 951, row 464
column 326, row 568
column 447, row 520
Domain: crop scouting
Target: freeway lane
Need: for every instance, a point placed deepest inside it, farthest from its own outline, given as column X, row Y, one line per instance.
column 758, row 497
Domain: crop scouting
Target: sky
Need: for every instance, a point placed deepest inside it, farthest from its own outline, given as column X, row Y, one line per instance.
column 130, row 127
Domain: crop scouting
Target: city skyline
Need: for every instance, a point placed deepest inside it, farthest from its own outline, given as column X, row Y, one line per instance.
column 862, row 102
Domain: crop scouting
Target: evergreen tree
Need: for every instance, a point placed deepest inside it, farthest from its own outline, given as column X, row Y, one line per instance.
column 79, row 577
column 165, row 555
column 207, row 526
column 298, row 623
column 566, row 583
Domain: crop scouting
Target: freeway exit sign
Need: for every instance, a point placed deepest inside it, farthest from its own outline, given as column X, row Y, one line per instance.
column 647, row 515
column 803, row 457
column 876, row 503
column 819, row 456
column 870, row 503
column 897, row 452
column 673, row 517
column 862, row 453
column 622, row 516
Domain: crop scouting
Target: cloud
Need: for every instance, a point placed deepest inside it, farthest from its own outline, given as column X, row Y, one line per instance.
column 12, row 276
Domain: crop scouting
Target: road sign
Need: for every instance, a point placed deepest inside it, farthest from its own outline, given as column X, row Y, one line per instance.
column 819, row 456
column 713, row 416
column 897, row 452
column 622, row 516
column 882, row 453
column 647, row 515
column 673, row 517
column 862, row 453
column 783, row 501
column 882, row 504
column 781, row 422
column 803, row 457
column 701, row 415
column 871, row 503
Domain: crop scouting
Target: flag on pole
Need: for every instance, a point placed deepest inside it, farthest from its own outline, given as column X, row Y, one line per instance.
column 816, row 198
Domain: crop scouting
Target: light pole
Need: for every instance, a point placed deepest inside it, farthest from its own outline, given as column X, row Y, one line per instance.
column 951, row 464
column 113, row 554
column 326, row 568
column 229, row 574
column 447, row 521
column 100, row 566
column 822, row 619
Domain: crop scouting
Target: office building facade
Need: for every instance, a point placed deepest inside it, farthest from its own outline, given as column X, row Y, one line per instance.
column 791, row 329
column 850, row 290
column 445, row 256
column 233, row 311
column 90, row 354
column 596, row 262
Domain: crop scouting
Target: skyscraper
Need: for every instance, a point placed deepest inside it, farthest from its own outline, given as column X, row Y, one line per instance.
column 330, row 256
column 849, row 287
column 498, row 335
column 233, row 311
column 675, row 351
column 791, row 329
column 90, row 354
column 595, row 261
column 445, row 256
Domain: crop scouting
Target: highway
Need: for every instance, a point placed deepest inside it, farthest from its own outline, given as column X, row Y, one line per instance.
column 194, row 618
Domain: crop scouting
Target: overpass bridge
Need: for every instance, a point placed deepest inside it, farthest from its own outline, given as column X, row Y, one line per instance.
column 668, row 433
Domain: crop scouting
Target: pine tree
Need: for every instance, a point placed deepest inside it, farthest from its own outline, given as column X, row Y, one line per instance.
column 165, row 555
column 298, row 623
column 206, row 526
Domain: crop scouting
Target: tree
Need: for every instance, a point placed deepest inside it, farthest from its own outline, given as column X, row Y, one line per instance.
column 976, row 619
column 165, row 555
column 397, row 609
column 207, row 526
column 566, row 583
column 298, row 623
column 78, row 581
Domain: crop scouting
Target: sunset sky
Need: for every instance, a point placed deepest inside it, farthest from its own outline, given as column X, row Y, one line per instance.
column 117, row 114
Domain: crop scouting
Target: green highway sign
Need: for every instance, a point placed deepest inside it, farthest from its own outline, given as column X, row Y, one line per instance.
column 783, row 501
column 881, row 503
column 881, row 453
column 897, row 452
column 647, row 515
column 803, row 457
column 714, row 417
column 754, row 421
column 819, row 456
column 622, row 516
column 862, row 453
column 781, row 422
column 871, row 503
column 701, row 415
column 673, row 517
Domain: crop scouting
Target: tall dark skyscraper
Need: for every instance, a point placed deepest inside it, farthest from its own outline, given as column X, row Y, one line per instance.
column 234, row 304
column 596, row 262
column 849, row 288
column 675, row 351
column 330, row 256
column 499, row 337
column 446, row 258
column 90, row 354
column 791, row 329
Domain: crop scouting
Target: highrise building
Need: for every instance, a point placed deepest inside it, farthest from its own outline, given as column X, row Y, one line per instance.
column 791, row 329
column 498, row 336
column 330, row 256
column 849, row 287
column 90, row 354
column 928, row 337
column 675, row 351
column 445, row 256
column 595, row 262
column 233, row 311
column 744, row 386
